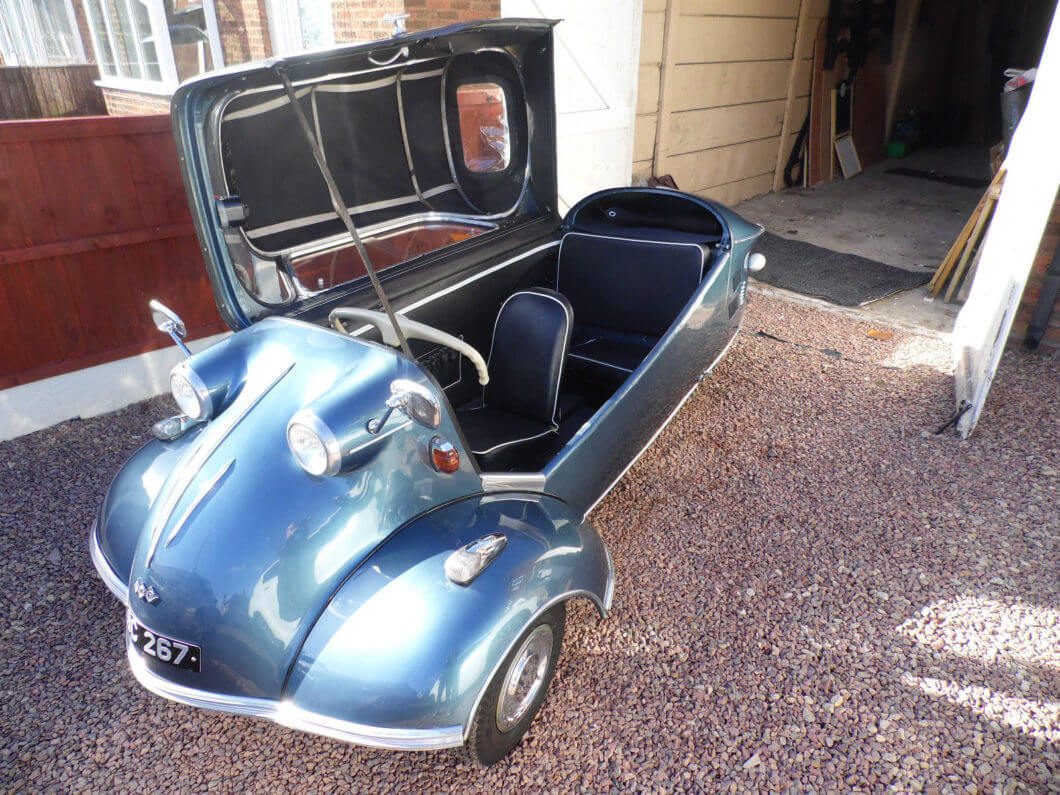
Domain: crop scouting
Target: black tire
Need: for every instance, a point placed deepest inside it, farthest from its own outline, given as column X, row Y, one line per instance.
column 488, row 742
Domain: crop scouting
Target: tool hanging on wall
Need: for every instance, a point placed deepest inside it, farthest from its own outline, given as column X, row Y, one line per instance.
column 954, row 267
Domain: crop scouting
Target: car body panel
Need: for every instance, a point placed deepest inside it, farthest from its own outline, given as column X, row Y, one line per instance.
column 322, row 602
column 243, row 545
column 425, row 647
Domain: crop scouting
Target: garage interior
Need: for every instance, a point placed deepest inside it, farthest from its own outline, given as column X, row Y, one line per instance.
column 745, row 102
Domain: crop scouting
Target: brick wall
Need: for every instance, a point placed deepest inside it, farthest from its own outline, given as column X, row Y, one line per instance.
column 437, row 13
column 1050, row 240
column 130, row 103
column 85, row 32
column 244, row 30
column 362, row 20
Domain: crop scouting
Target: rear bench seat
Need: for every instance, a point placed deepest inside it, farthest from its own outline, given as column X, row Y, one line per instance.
column 625, row 294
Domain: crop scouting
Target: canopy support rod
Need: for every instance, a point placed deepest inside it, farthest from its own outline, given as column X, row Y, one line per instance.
column 340, row 206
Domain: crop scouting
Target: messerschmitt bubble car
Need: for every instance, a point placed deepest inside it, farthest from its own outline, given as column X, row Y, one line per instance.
column 370, row 514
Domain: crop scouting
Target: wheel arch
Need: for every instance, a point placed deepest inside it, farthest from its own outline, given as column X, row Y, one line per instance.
column 400, row 646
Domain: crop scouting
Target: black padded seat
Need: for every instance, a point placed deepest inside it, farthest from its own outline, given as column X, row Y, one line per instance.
column 625, row 294
column 612, row 352
column 529, row 350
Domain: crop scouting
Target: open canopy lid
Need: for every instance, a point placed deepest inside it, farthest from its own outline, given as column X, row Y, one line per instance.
column 450, row 124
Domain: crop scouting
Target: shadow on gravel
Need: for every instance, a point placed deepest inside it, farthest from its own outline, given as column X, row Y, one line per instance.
column 814, row 593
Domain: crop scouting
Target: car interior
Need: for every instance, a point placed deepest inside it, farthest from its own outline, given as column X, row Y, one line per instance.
column 563, row 325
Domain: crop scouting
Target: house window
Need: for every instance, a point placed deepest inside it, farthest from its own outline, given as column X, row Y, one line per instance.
column 39, row 33
column 300, row 26
column 153, row 45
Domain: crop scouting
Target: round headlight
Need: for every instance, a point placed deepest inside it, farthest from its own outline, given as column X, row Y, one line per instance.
column 190, row 393
column 313, row 445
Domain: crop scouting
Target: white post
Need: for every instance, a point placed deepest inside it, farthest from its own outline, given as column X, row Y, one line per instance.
column 1031, row 180
column 597, row 55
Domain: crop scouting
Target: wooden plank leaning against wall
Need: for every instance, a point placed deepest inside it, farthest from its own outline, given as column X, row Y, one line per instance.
column 724, row 86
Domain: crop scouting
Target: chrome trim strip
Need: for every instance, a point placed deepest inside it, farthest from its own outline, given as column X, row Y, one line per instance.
column 609, row 592
column 202, row 495
column 110, row 578
column 310, row 220
column 405, row 222
column 563, row 597
column 405, row 140
column 213, row 435
column 513, row 481
column 286, row 713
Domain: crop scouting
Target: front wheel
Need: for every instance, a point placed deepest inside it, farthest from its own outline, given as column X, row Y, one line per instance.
column 517, row 690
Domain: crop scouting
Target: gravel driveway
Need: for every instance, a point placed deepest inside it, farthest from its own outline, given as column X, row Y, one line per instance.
column 814, row 593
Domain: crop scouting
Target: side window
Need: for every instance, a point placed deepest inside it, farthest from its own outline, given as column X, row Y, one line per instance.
column 484, row 130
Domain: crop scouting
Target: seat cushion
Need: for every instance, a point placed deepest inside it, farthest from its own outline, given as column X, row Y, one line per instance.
column 631, row 286
column 611, row 356
column 529, row 349
column 490, row 432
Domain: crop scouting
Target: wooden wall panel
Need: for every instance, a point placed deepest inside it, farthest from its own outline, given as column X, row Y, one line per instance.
column 697, row 171
column 724, row 76
column 742, row 8
column 711, row 85
column 717, row 39
column 644, row 137
column 93, row 224
column 736, row 192
column 651, row 38
column 648, row 90
column 705, row 129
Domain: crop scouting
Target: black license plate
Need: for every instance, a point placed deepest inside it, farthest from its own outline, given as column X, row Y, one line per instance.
column 169, row 651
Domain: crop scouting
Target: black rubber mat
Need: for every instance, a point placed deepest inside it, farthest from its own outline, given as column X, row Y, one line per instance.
column 935, row 176
column 842, row 279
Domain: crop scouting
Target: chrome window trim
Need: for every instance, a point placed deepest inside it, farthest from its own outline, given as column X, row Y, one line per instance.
column 286, row 713
column 424, row 220
column 110, row 578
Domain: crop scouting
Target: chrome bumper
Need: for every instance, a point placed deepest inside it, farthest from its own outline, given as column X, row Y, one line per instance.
column 287, row 714
column 110, row 578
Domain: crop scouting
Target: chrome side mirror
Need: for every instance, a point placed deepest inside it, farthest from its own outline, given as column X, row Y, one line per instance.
column 416, row 402
column 168, row 322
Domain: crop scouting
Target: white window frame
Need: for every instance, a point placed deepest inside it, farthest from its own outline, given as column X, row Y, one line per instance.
column 285, row 28
column 167, row 65
column 33, row 37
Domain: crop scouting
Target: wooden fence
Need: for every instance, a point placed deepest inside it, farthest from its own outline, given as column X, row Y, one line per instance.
column 45, row 92
column 93, row 224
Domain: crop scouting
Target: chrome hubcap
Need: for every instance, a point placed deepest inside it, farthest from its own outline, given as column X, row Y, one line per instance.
column 525, row 678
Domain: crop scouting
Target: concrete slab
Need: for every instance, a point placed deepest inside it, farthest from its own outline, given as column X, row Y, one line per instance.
column 899, row 220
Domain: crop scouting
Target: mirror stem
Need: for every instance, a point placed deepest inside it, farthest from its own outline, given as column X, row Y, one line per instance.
column 376, row 425
column 172, row 332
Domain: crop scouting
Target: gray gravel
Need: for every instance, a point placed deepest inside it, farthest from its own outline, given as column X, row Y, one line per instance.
column 815, row 593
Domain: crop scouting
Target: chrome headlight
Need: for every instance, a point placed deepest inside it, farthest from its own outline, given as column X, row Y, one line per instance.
column 190, row 393
column 313, row 444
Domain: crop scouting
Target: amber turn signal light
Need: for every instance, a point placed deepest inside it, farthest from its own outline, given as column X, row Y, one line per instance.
column 444, row 456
